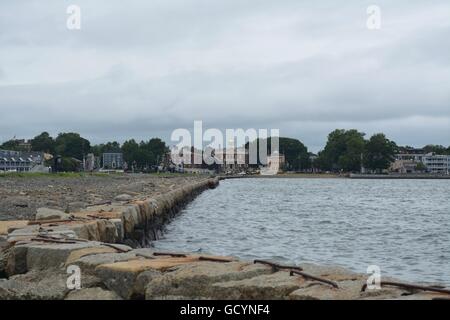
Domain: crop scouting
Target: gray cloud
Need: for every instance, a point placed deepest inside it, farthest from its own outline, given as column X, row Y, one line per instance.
column 146, row 68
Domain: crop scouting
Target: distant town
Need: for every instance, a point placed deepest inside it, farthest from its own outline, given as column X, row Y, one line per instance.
column 346, row 151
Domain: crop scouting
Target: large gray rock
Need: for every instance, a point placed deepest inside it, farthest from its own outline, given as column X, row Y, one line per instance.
column 96, row 293
column 195, row 280
column 76, row 206
column 45, row 256
column 51, row 214
column 89, row 263
column 48, row 285
column 275, row 286
column 126, row 282
column 123, row 197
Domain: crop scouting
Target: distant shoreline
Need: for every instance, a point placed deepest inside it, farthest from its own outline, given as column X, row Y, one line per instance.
column 343, row 176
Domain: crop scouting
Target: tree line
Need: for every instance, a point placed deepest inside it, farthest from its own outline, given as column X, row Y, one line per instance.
column 345, row 151
column 73, row 148
column 349, row 151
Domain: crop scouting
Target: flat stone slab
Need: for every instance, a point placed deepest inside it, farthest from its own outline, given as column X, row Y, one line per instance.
column 5, row 226
column 48, row 285
column 276, row 286
column 195, row 280
column 96, row 293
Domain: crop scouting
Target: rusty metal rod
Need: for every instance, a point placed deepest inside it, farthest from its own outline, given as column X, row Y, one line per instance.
column 409, row 286
column 111, row 245
column 213, row 259
column 310, row 276
column 177, row 255
column 278, row 266
column 33, row 223
column 99, row 204
column 97, row 217
column 52, row 240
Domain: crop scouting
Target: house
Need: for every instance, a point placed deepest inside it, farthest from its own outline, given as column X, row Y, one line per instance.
column 438, row 164
column 20, row 161
column 413, row 161
column 113, row 160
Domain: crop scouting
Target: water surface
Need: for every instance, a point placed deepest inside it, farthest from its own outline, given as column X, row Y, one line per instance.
column 403, row 226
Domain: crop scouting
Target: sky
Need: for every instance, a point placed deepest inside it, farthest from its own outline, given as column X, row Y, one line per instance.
column 143, row 68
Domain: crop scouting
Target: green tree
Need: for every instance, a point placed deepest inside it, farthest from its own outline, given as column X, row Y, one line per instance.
column 43, row 142
column 379, row 153
column 437, row 149
column 11, row 145
column 99, row 149
column 130, row 151
column 343, row 151
column 72, row 145
column 294, row 151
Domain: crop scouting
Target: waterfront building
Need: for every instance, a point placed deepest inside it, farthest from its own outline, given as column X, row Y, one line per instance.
column 113, row 160
column 438, row 164
column 20, row 161
column 413, row 162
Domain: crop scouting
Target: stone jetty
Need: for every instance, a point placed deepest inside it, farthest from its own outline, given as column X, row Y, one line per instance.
column 106, row 247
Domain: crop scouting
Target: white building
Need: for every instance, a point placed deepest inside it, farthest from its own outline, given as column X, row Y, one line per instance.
column 19, row 161
column 437, row 163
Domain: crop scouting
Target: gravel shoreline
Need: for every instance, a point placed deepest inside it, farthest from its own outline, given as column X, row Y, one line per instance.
column 20, row 197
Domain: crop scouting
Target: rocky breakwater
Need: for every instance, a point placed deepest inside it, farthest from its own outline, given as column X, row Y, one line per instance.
column 98, row 253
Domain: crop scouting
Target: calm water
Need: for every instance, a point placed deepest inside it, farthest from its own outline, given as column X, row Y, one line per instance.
column 403, row 226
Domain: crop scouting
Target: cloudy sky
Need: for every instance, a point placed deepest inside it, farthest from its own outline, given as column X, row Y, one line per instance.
column 142, row 68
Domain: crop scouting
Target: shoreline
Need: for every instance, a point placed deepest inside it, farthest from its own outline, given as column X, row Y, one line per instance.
column 109, row 244
column 343, row 176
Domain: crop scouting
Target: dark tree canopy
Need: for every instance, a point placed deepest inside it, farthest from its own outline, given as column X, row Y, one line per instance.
column 343, row 151
column 437, row 149
column 295, row 152
column 72, row 145
column 11, row 145
column 379, row 153
column 43, row 142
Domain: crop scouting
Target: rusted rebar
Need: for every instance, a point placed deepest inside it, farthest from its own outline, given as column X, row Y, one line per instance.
column 214, row 259
column 312, row 277
column 99, row 204
column 409, row 286
column 62, row 241
column 119, row 249
column 277, row 266
column 176, row 255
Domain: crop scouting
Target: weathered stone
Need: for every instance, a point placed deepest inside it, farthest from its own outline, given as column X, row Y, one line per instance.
column 16, row 260
column 348, row 290
column 90, row 262
column 78, row 254
column 275, row 286
column 195, row 280
column 45, row 256
column 123, row 197
column 121, row 276
column 3, row 263
column 51, row 214
column 48, row 285
column 76, row 206
column 8, row 226
column 92, row 294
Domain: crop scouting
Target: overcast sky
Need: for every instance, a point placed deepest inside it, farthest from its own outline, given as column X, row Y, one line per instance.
column 142, row 68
